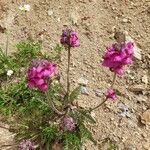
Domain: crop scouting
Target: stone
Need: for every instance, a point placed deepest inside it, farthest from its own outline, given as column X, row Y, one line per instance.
column 84, row 90
column 82, row 81
column 138, row 88
column 74, row 17
column 124, row 20
column 146, row 145
column 145, row 117
column 98, row 92
column 145, row 79
column 58, row 19
column 131, row 147
column 50, row 12
column 124, row 110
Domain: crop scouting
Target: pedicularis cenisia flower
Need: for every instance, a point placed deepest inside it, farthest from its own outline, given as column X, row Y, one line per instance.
column 69, row 123
column 117, row 56
column 26, row 145
column 111, row 94
column 38, row 74
column 70, row 38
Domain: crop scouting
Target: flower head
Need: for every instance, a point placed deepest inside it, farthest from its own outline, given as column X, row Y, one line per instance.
column 38, row 74
column 111, row 94
column 26, row 145
column 69, row 37
column 69, row 123
column 10, row 72
column 117, row 56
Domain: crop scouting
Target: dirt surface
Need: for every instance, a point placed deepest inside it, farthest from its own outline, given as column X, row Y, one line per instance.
column 95, row 21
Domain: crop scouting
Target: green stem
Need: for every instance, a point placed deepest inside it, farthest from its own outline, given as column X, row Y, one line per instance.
column 112, row 85
column 53, row 106
column 7, row 44
column 98, row 105
column 114, row 80
column 68, row 73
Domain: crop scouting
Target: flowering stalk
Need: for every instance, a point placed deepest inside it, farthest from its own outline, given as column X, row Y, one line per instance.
column 113, row 82
column 69, row 39
column 68, row 73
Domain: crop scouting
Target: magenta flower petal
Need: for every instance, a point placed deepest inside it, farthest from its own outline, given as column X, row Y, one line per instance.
column 38, row 74
column 47, row 73
column 39, row 82
column 39, row 69
column 111, row 94
column 70, row 38
column 117, row 56
column 43, row 87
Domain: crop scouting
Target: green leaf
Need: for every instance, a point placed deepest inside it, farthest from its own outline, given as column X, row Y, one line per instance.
column 74, row 94
column 87, row 116
column 85, row 133
column 57, row 102
column 71, row 141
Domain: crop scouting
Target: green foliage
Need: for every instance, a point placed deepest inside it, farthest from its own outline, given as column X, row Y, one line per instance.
column 27, row 50
column 85, row 133
column 73, row 95
column 49, row 134
column 71, row 141
column 86, row 116
column 54, row 92
column 6, row 110
column 113, row 146
column 56, row 55
column 6, row 63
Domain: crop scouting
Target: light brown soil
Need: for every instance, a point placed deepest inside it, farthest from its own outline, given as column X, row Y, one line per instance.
column 95, row 21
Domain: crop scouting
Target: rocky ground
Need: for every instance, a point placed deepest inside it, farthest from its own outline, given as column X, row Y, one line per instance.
column 126, row 122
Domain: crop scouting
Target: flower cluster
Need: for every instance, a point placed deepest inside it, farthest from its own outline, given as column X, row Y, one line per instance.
column 26, row 145
column 111, row 94
column 117, row 56
column 69, row 37
column 69, row 123
column 38, row 73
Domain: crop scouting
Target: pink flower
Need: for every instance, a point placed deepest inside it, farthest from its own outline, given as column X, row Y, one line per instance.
column 69, row 37
column 38, row 73
column 111, row 94
column 117, row 56
column 26, row 145
column 69, row 123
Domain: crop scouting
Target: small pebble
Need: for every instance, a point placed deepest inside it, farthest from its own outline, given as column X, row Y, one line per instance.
column 82, row 81
column 145, row 79
column 145, row 117
column 125, row 110
column 98, row 92
column 124, row 20
column 84, row 90
column 50, row 12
